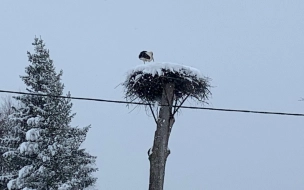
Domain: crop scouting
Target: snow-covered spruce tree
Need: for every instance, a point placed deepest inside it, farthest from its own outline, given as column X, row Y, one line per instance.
column 168, row 86
column 6, row 108
column 48, row 154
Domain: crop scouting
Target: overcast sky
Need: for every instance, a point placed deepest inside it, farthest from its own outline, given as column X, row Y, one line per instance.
column 252, row 50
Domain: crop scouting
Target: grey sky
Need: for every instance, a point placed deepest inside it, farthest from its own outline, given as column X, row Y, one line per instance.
column 252, row 50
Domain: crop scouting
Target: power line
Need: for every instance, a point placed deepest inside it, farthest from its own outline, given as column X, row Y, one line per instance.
column 140, row 103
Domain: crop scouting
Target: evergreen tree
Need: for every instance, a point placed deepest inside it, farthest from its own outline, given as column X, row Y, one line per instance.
column 7, row 141
column 48, row 154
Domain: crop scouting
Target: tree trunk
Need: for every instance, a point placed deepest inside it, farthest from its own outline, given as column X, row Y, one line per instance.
column 158, row 155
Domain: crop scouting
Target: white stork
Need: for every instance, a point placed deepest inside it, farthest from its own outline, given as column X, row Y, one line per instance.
column 146, row 56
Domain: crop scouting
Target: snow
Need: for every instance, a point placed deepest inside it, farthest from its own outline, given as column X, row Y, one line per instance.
column 64, row 187
column 41, row 169
column 33, row 120
column 11, row 184
column 46, row 158
column 25, row 171
column 32, row 134
column 52, row 150
column 28, row 148
column 150, row 151
column 8, row 153
column 7, row 176
column 156, row 68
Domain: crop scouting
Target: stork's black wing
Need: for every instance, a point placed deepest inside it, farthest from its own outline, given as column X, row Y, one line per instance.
column 144, row 55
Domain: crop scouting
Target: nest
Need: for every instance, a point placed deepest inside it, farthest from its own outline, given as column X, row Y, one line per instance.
column 148, row 86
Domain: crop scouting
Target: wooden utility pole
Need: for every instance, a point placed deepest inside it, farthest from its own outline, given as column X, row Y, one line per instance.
column 169, row 85
column 160, row 151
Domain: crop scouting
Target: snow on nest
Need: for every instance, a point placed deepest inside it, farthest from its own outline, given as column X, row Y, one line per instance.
column 157, row 68
column 146, row 82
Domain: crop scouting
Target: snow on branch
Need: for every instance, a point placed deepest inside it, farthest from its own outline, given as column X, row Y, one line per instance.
column 146, row 82
column 28, row 148
column 32, row 134
column 9, row 153
column 34, row 120
column 26, row 170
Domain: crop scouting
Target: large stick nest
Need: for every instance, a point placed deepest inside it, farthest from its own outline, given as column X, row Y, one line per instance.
column 146, row 83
